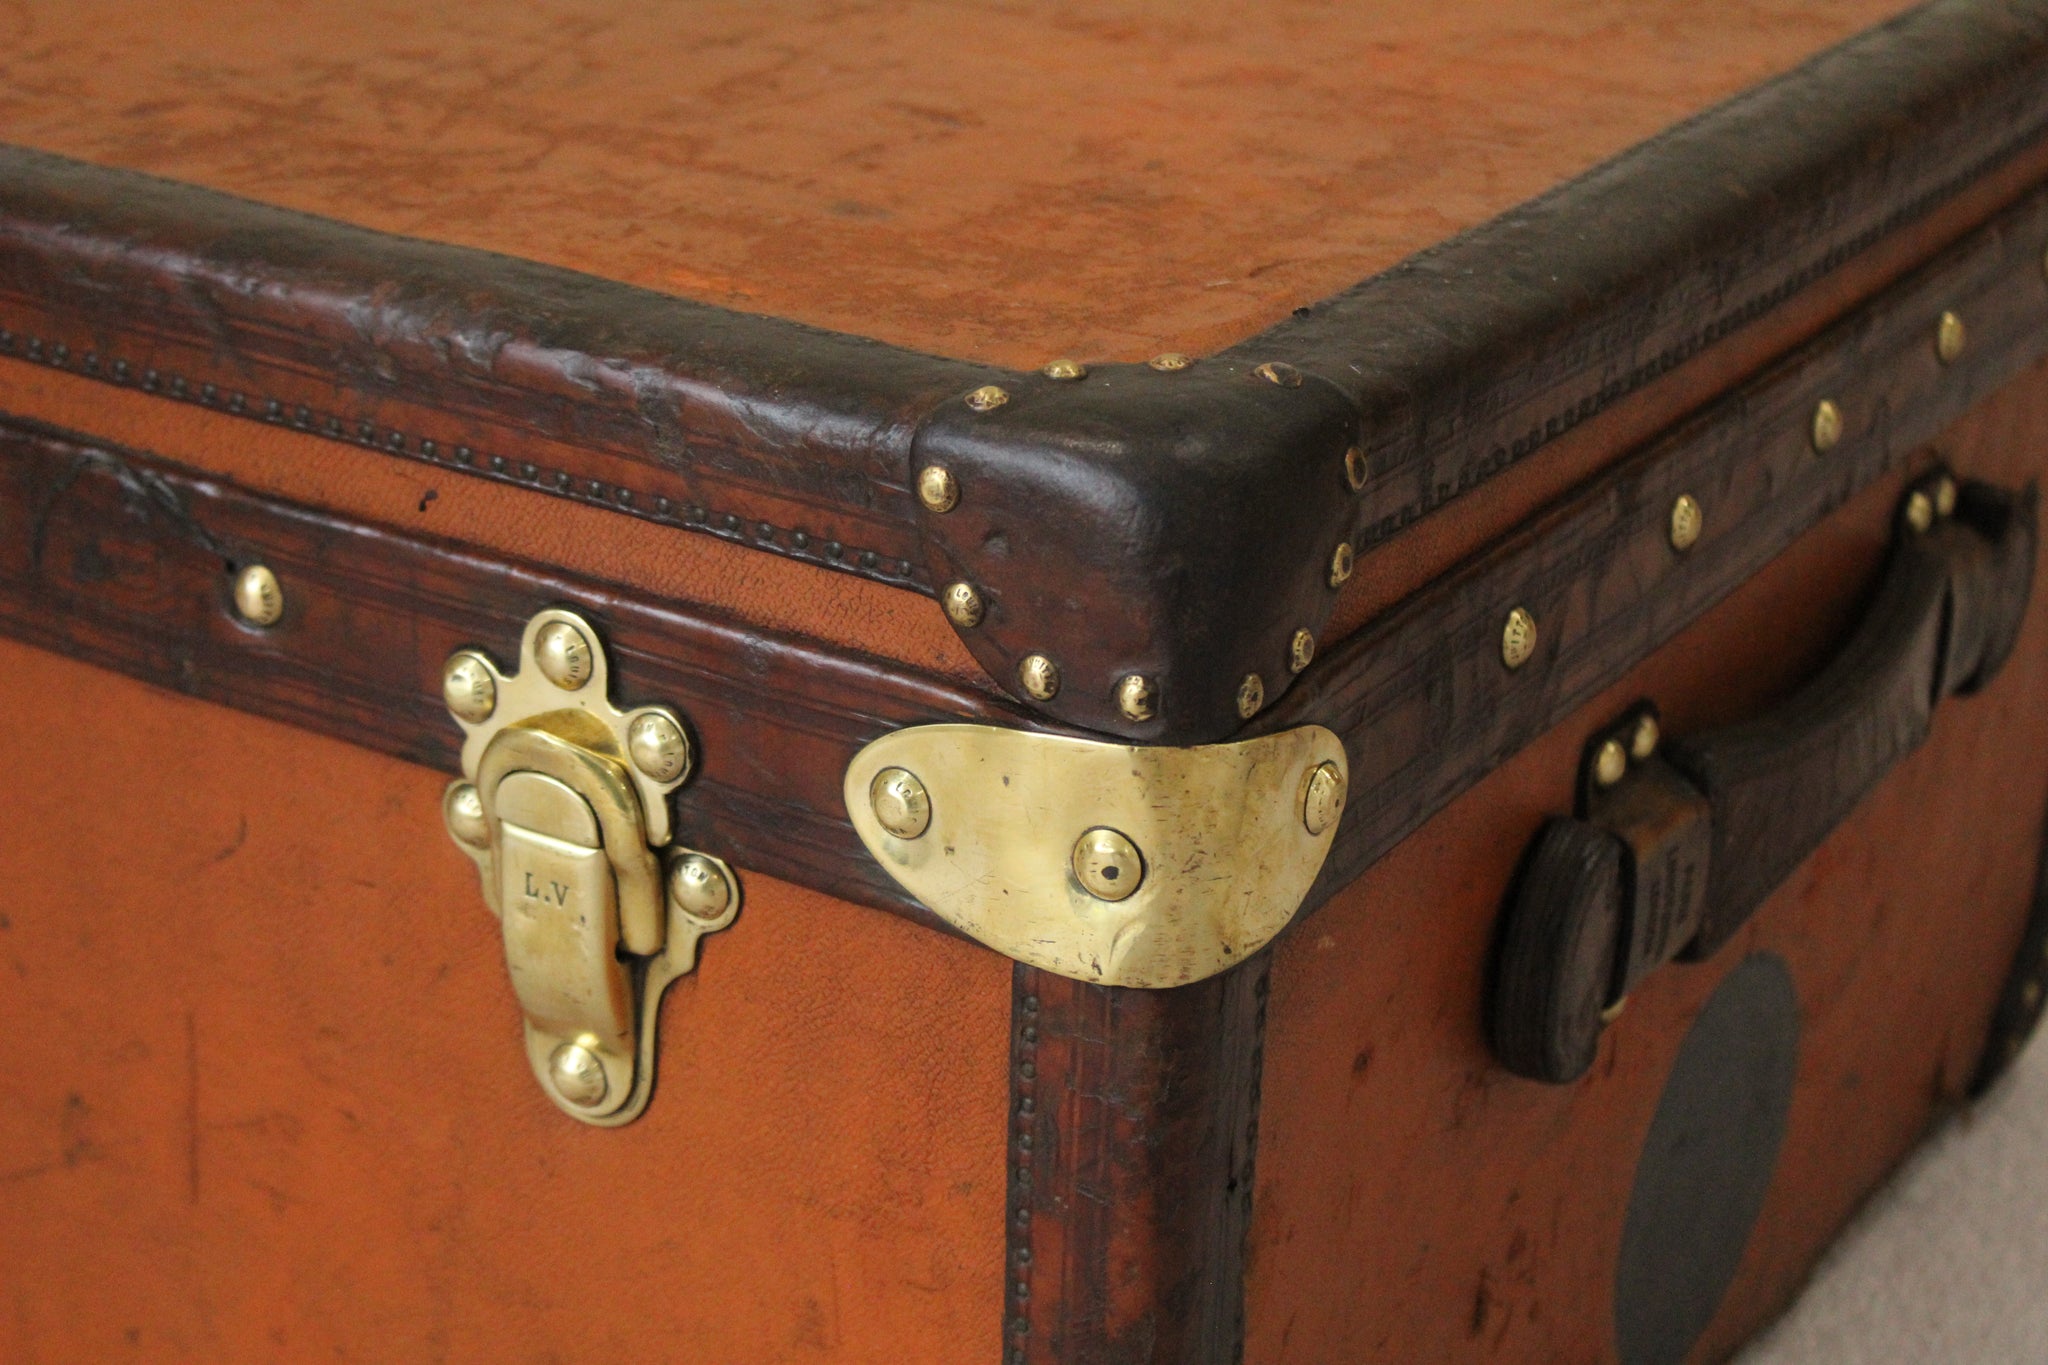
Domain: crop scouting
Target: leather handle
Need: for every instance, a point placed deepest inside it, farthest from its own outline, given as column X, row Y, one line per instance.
column 1701, row 832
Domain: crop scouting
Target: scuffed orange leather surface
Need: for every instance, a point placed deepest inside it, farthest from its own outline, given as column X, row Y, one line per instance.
column 761, row 589
column 1000, row 182
column 1416, row 1202
column 264, row 1097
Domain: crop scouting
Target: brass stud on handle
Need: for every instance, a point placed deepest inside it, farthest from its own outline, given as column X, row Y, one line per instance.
column 1827, row 425
column 1342, row 560
column 698, row 888
column 1945, row 494
column 577, row 1075
column 963, row 605
column 1137, row 697
column 1687, row 521
column 988, row 398
column 1610, row 765
column 1039, row 677
column 1107, row 865
column 1167, row 362
column 1949, row 336
column 1354, row 468
column 1919, row 512
column 1279, row 372
column 258, row 598
column 1322, row 798
column 563, row 655
column 468, row 687
column 937, row 489
column 658, row 746
column 1251, row 695
column 1065, row 369
column 1301, row 651
column 1643, row 743
column 1518, row 638
column 901, row 804
column 463, row 810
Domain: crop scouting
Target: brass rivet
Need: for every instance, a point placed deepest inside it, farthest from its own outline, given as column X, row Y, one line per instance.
column 963, row 605
column 1945, row 494
column 469, row 688
column 658, row 746
column 937, row 489
column 698, row 888
column 1137, row 698
column 258, row 598
column 1322, row 798
column 1354, row 468
column 1949, row 336
column 1687, row 521
column 1518, row 638
column 1919, row 511
column 1251, row 695
column 901, row 804
column 1643, row 742
column 1107, row 865
column 577, row 1075
column 1301, row 651
column 1341, row 562
column 1279, row 372
column 988, row 398
column 2030, row 995
column 563, row 655
column 1610, row 765
column 1166, row 362
column 463, row 810
column 2044, row 263
column 1039, row 676
column 1613, row 1011
column 1827, row 425
column 1065, row 369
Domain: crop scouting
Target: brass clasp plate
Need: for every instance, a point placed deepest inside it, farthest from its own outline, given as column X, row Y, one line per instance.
column 563, row 806
column 1110, row 863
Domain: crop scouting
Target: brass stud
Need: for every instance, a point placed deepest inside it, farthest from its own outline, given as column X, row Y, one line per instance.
column 1166, row 362
column 2044, row 262
column 1108, row 865
column 937, row 489
column 258, row 598
column 1039, row 676
column 1518, row 638
column 564, row 655
column 1342, row 560
column 1919, row 511
column 1065, row 369
column 988, row 398
column 1354, row 468
column 577, row 1075
column 463, row 811
column 1945, row 494
column 658, row 746
column 698, row 888
column 1251, row 695
column 963, row 605
column 1949, row 336
column 469, row 687
column 1301, row 651
column 1322, row 798
column 1643, row 743
column 2030, row 996
column 1687, row 521
column 1279, row 372
column 901, row 804
column 1610, row 765
column 1827, row 425
column 1137, row 698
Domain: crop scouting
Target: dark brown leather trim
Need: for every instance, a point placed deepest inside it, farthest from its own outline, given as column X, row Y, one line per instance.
column 1422, row 698
column 1134, row 1118
column 1180, row 526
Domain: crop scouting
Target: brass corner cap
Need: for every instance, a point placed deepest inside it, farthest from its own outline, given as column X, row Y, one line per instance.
column 1018, row 855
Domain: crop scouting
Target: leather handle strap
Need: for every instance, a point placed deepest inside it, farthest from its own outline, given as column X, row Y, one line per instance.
column 1699, row 834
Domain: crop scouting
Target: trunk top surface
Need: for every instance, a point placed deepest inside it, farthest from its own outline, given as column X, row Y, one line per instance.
column 978, row 181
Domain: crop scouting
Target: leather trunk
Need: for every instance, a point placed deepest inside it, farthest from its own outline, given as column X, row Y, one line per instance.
column 1072, row 686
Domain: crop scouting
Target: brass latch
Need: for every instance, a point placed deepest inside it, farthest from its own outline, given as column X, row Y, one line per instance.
column 564, row 808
